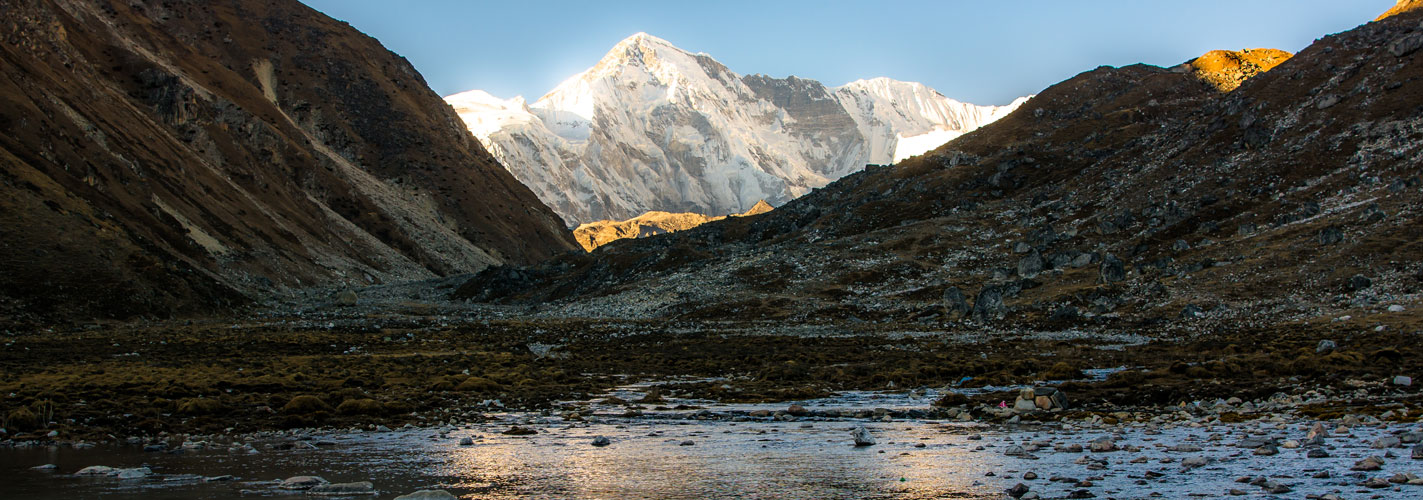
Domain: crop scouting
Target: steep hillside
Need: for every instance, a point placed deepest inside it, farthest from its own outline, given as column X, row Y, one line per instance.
column 596, row 234
column 1128, row 196
column 654, row 127
column 161, row 157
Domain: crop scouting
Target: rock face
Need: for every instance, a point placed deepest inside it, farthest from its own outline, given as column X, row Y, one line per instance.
column 1101, row 175
column 181, row 156
column 654, row 127
column 595, row 234
column 1401, row 7
column 1227, row 69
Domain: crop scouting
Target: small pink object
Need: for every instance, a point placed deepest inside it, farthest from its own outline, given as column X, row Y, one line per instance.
column 1002, row 404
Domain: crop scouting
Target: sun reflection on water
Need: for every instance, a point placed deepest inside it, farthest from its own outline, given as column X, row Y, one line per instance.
column 751, row 460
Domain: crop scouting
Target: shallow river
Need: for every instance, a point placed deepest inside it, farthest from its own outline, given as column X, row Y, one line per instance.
column 667, row 455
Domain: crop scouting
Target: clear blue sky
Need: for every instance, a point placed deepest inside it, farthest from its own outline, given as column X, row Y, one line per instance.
column 985, row 52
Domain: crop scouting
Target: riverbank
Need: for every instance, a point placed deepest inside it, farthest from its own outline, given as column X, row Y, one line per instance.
column 356, row 368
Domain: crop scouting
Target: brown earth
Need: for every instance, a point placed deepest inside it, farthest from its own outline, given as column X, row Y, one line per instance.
column 350, row 369
column 595, row 234
column 161, row 158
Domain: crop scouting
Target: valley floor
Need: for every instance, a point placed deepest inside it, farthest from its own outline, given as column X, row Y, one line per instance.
column 404, row 360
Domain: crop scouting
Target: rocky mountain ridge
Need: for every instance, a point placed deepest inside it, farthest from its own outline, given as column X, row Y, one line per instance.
column 159, row 158
column 1123, row 196
column 654, row 127
column 596, row 234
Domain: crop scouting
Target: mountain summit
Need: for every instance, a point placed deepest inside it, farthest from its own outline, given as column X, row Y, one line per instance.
column 654, row 127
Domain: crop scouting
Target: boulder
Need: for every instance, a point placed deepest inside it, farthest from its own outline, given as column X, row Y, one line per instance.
column 1403, row 380
column 96, row 470
column 302, row 482
column 1387, row 442
column 1368, row 464
column 1018, row 490
column 135, row 473
column 955, row 302
column 1360, row 282
column 1102, row 445
column 428, row 495
column 1325, row 346
column 989, row 303
column 343, row 489
column 601, row 441
column 1191, row 311
column 862, row 436
column 1030, row 265
column 1330, row 235
column 1405, row 44
column 346, row 298
column 1112, row 269
column 797, row 411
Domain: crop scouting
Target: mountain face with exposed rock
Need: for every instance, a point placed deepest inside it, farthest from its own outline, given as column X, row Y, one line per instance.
column 1136, row 197
column 654, row 127
column 596, row 234
column 163, row 157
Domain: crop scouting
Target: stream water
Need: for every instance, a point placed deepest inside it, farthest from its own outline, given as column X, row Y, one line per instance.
column 674, row 455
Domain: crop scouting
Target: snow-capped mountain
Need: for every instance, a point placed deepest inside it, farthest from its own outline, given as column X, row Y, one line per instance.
column 654, row 127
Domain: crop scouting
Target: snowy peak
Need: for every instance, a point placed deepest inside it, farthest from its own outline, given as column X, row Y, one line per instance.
column 652, row 127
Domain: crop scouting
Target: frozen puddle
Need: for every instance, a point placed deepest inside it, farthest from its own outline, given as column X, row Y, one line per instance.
column 678, row 456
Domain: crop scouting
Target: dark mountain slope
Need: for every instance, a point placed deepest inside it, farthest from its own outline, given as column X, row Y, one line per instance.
column 1135, row 194
column 163, row 156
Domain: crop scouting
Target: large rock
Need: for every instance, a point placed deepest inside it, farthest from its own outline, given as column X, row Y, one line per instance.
column 343, row 489
column 862, row 436
column 302, row 482
column 428, row 495
column 1406, row 44
column 1030, row 265
column 955, row 302
column 1112, row 269
column 989, row 303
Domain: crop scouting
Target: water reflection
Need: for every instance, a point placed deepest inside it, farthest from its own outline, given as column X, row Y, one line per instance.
column 746, row 460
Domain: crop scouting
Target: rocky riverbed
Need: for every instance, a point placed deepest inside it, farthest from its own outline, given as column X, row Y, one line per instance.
column 699, row 449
